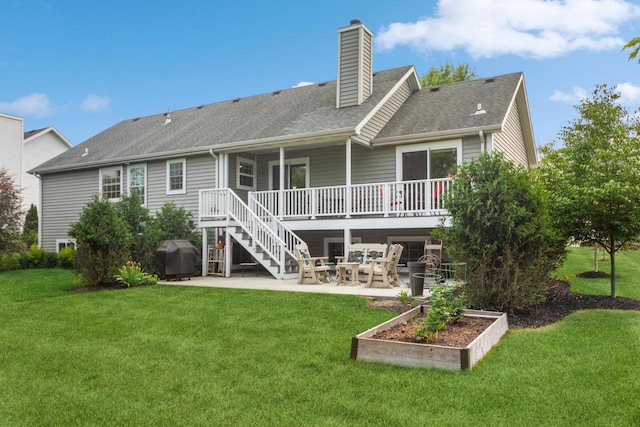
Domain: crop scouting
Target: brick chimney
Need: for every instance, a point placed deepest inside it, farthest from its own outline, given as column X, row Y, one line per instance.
column 355, row 75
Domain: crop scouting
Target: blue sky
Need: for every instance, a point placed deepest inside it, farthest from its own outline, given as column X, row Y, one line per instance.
column 83, row 66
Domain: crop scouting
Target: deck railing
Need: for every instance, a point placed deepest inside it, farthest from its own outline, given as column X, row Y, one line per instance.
column 420, row 197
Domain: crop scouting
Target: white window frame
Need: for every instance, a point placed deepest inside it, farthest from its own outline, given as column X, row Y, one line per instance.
column 100, row 184
column 426, row 146
column 183, row 190
column 239, row 161
column 136, row 166
column 65, row 242
column 304, row 160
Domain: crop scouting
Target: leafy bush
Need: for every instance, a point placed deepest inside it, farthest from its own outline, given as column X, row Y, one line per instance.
column 102, row 242
column 132, row 275
column 50, row 260
column 67, row 257
column 35, row 255
column 30, row 228
column 10, row 214
column 501, row 227
column 9, row 262
column 446, row 306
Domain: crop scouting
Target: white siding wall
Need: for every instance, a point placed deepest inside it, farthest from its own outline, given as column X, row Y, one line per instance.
column 511, row 141
column 11, row 133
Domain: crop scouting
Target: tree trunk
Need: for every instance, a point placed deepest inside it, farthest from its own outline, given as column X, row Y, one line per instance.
column 595, row 257
column 612, row 256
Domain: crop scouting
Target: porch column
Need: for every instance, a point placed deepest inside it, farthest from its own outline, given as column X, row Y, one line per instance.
column 281, row 181
column 205, row 253
column 347, row 240
column 227, row 254
column 347, row 196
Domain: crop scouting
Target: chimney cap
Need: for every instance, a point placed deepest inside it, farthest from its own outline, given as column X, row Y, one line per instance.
column 355, row 22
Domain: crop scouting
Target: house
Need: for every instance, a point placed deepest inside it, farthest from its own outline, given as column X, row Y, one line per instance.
column 364, row 157
column 22, row 152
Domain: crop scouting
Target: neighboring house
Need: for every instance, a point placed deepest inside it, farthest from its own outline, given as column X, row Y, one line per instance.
column 22, row 152
column 365, row 158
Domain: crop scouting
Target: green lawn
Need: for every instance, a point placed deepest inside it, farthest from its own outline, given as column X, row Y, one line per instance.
column 172, row 355
column 581, row 260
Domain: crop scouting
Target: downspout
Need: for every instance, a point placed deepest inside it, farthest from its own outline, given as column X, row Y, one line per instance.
column 483, row 144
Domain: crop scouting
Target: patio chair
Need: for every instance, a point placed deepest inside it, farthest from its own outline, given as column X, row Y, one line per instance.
column 311, row 270
column 384, row 271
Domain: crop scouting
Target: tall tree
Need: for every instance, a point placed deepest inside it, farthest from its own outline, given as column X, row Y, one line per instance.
column 634, row 45
column 448, row 73
column 10, row 213
column 593, row 180
column 30, row 228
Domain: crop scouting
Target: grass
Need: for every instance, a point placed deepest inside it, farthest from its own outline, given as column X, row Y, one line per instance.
column 581, row 260
column 172, row 355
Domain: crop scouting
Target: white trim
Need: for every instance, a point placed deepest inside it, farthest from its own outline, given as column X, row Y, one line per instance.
column 238, row 174
column 183, row 190
column 383, row 102
column 136, row 166
column 426, row 146
column 66, row 242
column 298, row 160
column 100, row 187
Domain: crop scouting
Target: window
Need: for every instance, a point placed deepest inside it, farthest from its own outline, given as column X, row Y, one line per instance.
column 63, row 243
column 427, row 161
column 137, row 181
column 296, row 174
column 177, row 176
column 413, row 247
column 111, row 183
column 334, row 246
column 245, row 174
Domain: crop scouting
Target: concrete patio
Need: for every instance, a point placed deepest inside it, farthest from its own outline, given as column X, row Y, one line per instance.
column 268, row 283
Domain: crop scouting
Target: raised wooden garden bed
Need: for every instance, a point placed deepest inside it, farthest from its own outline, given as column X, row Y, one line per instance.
column 368, row 349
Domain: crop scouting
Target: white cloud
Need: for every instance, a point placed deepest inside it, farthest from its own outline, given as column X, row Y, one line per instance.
column 574, row 97
column 95, row 103
column 303, row 84
column 528, row 28
column 34, row 105
column 629, row 93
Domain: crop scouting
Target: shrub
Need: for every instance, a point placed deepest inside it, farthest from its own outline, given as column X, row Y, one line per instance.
column 50, row 260
column 30, row 228
column 9, row 262
column 501, row 227
column 132, row 275
column 102, row 242
column 10, row 214
column 67, row 257
column 35, row 255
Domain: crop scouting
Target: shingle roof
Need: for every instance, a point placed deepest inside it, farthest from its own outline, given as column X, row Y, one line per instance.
column 296, row 111
column 450, row 107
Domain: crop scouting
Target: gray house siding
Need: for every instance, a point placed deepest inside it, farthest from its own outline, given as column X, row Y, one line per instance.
column 201, row 174
column 377, row 165
column 382, row 116
column 64, row 195
column 510, row 141
column 348, row 69
column 62, row 207
column 470, row 148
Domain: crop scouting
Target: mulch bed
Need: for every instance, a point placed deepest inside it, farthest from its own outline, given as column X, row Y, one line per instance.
column 559, row 303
